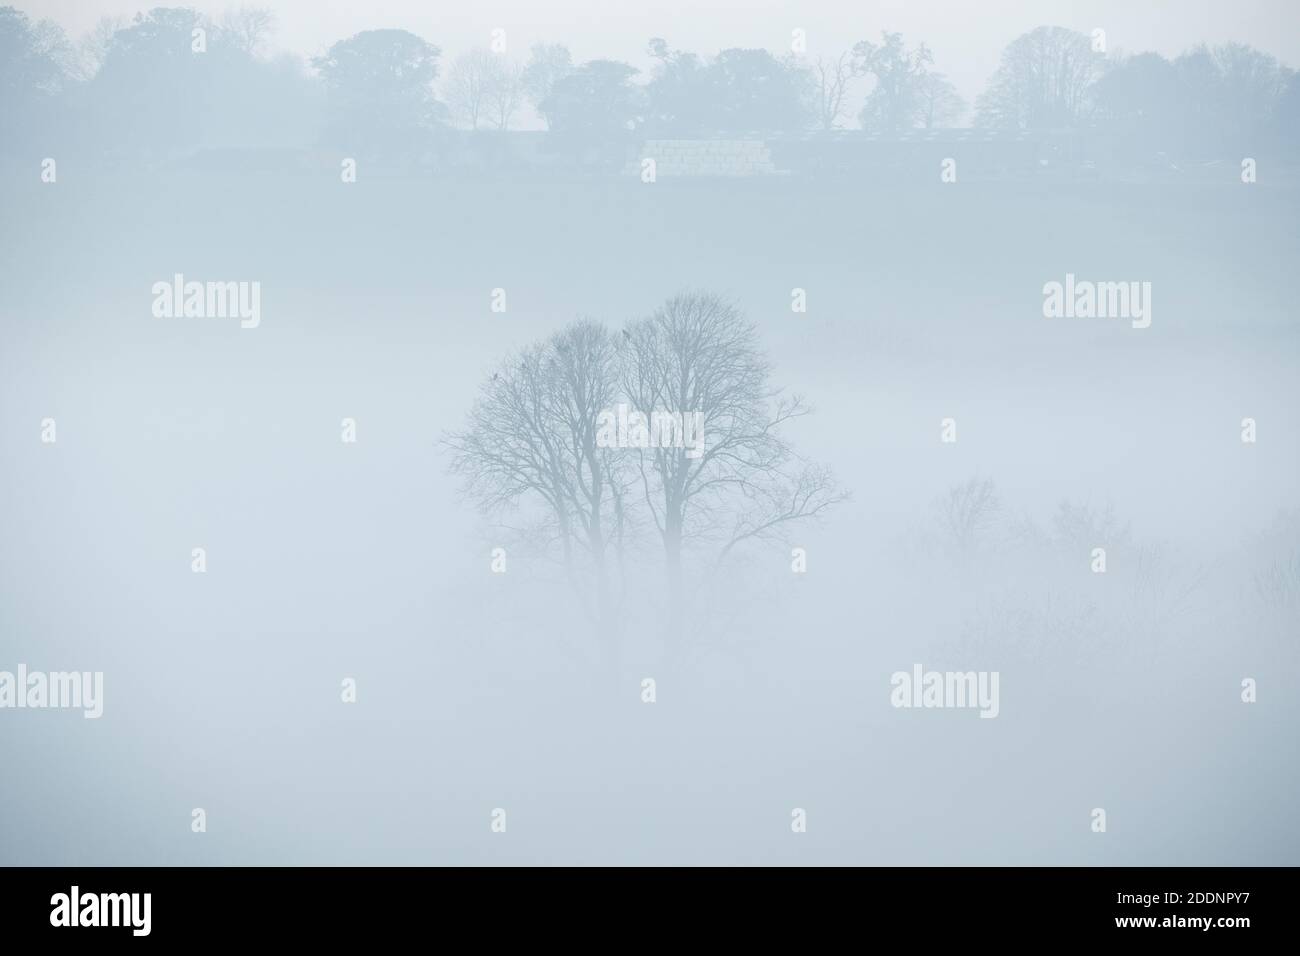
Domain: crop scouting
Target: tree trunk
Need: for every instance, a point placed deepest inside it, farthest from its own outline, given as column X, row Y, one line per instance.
column 607, row 625
column 675, row 634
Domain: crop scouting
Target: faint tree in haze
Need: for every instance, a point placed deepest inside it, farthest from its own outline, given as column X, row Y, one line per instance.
column 1209, row 103
column 505, row 95
column 1231, row 95
column 152, row 94
column 967, row 512
column 698, row 354
column 469, row 81
column 940, row 103
column 1044, row 81
column 753, row 91
column 94, row 45
column 51, row 39
column 1286, row 119
column 379, row 85
column 1274, row 567
column 548, row 63
column 896, row 101
column 738, row 91
column 594, row 107
column 829, row 81
column 1077, row 528
column 247, row 29
column 32, row 73
column 1140, row 99
column 484, row 87
column 531, row 440
column 677, row 96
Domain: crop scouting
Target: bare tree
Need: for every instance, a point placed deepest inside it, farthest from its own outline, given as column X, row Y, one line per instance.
column 967, row 512
column 484, row 87
column 531, row 438
column 469, row 84
column 541, row 432
column 697, row 354
column 940, row 103
column 1044, row 80
column 505, row 94
column 247, row 29
column 1274, row 566
column 830, row 84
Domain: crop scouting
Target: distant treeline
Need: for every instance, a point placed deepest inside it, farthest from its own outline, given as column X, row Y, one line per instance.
column 172, row 80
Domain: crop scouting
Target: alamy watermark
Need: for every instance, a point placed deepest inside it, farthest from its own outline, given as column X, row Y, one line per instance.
column 208, row 300
column 1098, row 300
column 946, row 689
column 624, row 427
column 83, row 690
column 76, row 908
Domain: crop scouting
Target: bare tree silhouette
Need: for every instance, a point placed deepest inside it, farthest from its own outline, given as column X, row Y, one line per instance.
column 940, row 104
column 698, row 354
column 1044, row 80
column 247, row 28
column 505, row 94
column 829, row 81
column 967, row 512
column 534, row 436
column 531, row 438
column 483, row 87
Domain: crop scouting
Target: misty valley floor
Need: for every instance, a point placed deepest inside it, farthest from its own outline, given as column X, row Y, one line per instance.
column 478, row 691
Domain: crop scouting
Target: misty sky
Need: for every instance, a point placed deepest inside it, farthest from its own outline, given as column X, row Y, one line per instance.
column 966, row 37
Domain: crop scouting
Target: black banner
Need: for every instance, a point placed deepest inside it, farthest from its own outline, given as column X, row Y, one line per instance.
column 193, row 905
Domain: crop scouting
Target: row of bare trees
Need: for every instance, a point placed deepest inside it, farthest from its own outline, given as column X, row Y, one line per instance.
column 487, row 89
column 531, row 446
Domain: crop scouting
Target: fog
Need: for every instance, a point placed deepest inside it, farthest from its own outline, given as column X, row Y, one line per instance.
column 985, row 450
